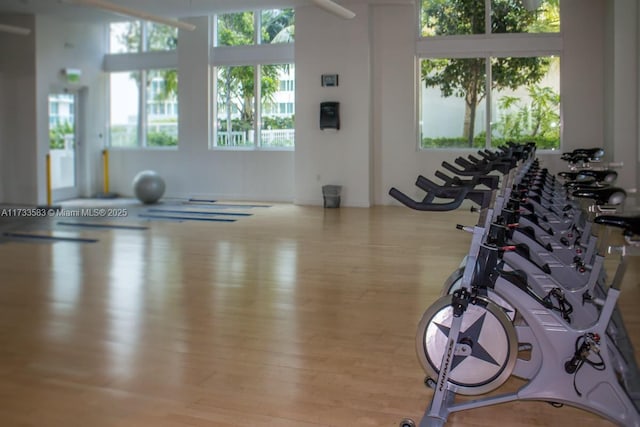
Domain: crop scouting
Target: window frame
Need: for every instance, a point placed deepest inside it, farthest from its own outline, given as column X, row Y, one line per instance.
column 488, row 46
column 256, row 55
column 144, row 61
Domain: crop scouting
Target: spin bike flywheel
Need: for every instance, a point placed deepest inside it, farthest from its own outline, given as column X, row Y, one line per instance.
column 486, row 350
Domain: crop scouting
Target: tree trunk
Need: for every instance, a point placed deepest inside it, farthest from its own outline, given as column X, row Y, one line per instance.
column 469, row 122
column 471, row 104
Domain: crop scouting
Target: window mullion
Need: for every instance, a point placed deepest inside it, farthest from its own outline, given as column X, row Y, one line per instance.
column 489, row 115
column 143, row 36
column 142, row 107
column 257, row 107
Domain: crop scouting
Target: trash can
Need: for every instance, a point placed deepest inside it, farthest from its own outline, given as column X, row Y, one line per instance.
column 331, row 195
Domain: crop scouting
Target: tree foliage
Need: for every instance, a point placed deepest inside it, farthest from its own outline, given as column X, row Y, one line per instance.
column 538, row 118
column 59, row 133
column 278, row 26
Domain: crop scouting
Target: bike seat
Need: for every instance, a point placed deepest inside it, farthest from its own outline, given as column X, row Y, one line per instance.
column 586, row 153
column 602, row 196
column 606, row 175
column 630, row 224
column 591, row 152
column 571, row 176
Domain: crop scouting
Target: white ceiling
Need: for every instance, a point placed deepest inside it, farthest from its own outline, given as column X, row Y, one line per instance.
column 166, row 8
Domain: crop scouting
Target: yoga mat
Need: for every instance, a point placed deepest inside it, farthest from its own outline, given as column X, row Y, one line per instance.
column 185, row 218
column 49, row 238
column 108, row 226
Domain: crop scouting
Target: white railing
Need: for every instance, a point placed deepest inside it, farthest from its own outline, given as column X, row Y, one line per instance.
column 277, row 138
column 268, row 138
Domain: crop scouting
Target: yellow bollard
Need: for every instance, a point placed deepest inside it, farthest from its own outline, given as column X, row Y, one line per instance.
column 48, row 172
column 105, row 178
column 105, row 171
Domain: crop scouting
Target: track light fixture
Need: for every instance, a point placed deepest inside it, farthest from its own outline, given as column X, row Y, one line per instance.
column 335, row 8
column 12, row 29
column 121, row 10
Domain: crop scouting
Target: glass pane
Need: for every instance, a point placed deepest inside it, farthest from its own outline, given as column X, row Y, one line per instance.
column 125, row 37
column 278, row 26
column 525, row 16
column 236, row 29
column 452, row 17
column 124, row 102
column 162, row 108
column 62, row 134
column 235, row 105
column 452, row 111
column 161, row 37
column 278, row 105
column 526, row 101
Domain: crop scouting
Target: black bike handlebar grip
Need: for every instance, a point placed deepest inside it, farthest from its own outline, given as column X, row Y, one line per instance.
column 409, row 202
column 628, row 223
column 461, row 162
column 455, row 181
column 446, row 192
column 457, row 171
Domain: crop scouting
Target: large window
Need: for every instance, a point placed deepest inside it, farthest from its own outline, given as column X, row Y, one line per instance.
column 480, row 97
column 239, row 122
column 143, row 102
column 523, row 95
column 254, row 101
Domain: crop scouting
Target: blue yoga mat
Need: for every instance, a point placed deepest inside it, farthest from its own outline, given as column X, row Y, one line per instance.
column 108, row 226
column 49, row 238
column 227, row 205
column 203, row 200
column 184, row 211
column 185, row 218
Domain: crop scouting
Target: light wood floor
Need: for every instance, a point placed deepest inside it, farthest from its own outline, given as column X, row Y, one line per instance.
column 295, row 316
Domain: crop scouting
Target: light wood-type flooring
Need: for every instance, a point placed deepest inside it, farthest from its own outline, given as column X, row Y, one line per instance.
column 294, row 316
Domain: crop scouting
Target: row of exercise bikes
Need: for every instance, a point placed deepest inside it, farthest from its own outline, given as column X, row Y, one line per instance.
column 531, row 299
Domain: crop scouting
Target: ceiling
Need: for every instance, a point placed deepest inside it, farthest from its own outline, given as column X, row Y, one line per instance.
column 166, row 8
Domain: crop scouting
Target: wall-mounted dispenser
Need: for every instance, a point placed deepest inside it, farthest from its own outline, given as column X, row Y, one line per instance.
column 330, row 115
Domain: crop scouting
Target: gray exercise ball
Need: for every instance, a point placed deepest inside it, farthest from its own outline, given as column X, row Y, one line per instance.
column 148, row 186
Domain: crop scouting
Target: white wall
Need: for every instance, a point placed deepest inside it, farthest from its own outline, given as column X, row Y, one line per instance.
column 397, row 161
column 621, row 112
column 326, row 44
column 193, row 170
column 17, row 111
